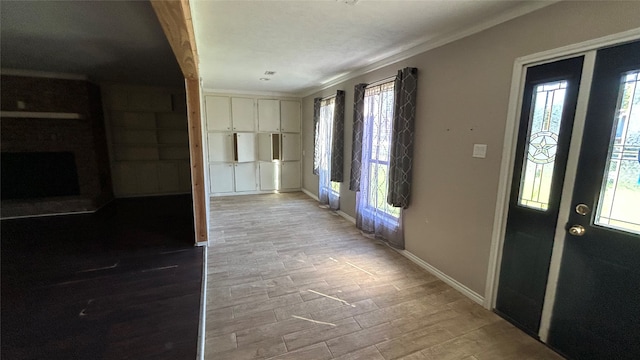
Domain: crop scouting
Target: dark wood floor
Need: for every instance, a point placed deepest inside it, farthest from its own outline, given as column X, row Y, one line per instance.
column 123, row 283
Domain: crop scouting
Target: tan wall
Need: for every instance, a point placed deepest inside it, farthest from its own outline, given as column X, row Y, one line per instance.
column 462, row 99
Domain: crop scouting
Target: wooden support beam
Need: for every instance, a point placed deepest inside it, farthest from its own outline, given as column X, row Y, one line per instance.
column 175, row 18
column 197, row 160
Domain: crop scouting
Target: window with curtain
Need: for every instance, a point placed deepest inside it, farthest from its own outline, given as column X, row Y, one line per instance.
column 328, row 191
column 374, row 214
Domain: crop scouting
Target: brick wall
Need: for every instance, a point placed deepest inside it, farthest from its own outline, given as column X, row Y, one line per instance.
column 84, row 137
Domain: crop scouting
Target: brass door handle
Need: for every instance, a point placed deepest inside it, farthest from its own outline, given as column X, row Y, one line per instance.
column 577, row 230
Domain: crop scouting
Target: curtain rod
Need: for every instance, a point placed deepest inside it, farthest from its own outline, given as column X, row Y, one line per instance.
column 382, row 81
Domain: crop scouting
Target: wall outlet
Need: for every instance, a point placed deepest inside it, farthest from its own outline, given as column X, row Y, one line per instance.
column 21, row 105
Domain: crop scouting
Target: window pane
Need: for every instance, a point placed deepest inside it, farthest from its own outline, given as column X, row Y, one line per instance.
column 378, row 120
column 620, row 193
column 537, row 174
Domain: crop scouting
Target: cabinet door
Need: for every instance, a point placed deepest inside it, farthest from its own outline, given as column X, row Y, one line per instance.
column 289, row 116
column 268, row 175
column 290, row 147
column 245, row 147
column 221, row 178
column 220, row 147
column 124, row 178
column 245, row 176
column 184, row 174
column 168, row 177
column 147, row 177
column 265, row 148
column 268, row 115
column 218, row 113
column 243, row 114
column 290, row 175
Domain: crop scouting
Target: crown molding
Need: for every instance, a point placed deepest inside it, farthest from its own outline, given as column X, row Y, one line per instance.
column 43, row 74
column 207, row 91
column 432, row 44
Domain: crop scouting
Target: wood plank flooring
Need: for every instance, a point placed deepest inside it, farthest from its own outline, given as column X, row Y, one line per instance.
column 124, row 283
column 289, row 280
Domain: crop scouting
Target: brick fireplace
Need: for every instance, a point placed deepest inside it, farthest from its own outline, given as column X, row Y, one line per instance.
column 52, row 128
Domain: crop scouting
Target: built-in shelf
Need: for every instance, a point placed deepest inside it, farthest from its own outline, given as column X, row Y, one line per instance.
column 41, row 115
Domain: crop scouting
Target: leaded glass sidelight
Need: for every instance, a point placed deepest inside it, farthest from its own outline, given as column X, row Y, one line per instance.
column 620, row 192
column 544, row 126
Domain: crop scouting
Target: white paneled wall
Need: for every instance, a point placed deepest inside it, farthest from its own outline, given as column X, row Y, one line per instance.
column 253, row 144
column 148, row 140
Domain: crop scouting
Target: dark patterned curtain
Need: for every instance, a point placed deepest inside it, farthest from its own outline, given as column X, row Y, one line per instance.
column 337, row 139
column 358, row 128
column 316, row 132
column 404, row 114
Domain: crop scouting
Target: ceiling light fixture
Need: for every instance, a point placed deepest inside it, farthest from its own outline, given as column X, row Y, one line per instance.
column 269, row 72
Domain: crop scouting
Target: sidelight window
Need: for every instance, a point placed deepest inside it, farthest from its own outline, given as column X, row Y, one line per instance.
column 544, row 127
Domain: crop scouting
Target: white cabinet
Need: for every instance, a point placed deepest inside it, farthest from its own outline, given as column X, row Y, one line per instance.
column 136, row 177
column 243, row 114
column 265, row 147
column 268, row 115
column 245, row 147
column 220, row 147
column 290, row 147
column 269, row 172
column 168, row 177
column 221, row 178
column 290, row 175
column 290, row 116
column 148, row 139
column 245, row 176
column 218, row 113
column 253, row 144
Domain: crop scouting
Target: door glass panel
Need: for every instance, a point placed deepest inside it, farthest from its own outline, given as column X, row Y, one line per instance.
column 620, row 192
column 544, row 127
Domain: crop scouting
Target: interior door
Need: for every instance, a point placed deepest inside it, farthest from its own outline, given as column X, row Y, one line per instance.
column 596, row 314
column 548, row 110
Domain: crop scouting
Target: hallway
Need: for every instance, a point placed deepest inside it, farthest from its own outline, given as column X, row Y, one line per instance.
column 289, row 280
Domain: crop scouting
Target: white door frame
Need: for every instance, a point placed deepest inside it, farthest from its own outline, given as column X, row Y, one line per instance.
column 520, row 66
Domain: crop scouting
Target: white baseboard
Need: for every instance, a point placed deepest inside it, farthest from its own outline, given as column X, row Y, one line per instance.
column 346, row 216
column 423, row 264
column 444, row 277
column 310, row 194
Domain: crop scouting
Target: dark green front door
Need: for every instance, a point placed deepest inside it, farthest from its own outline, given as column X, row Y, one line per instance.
column 596, row 314
column 548, row 110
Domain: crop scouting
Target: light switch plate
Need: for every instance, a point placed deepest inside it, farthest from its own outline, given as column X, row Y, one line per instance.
column 479, row 151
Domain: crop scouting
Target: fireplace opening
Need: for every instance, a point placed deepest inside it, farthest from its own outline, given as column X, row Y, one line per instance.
column 31, row 175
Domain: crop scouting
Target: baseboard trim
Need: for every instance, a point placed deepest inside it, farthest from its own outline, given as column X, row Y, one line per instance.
column 444, row 277
column 310, row 194
column 203, row 307
column 346, row 216
column 423, row 264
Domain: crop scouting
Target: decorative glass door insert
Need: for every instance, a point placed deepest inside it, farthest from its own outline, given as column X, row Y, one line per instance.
column 620, row 192
column 544, row 122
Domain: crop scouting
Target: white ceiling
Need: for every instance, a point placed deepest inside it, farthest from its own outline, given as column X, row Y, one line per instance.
column 308, row 43
column 311, row 43
column 105, row 40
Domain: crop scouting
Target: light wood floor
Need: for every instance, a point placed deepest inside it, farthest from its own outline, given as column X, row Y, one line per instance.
column 289, row 280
